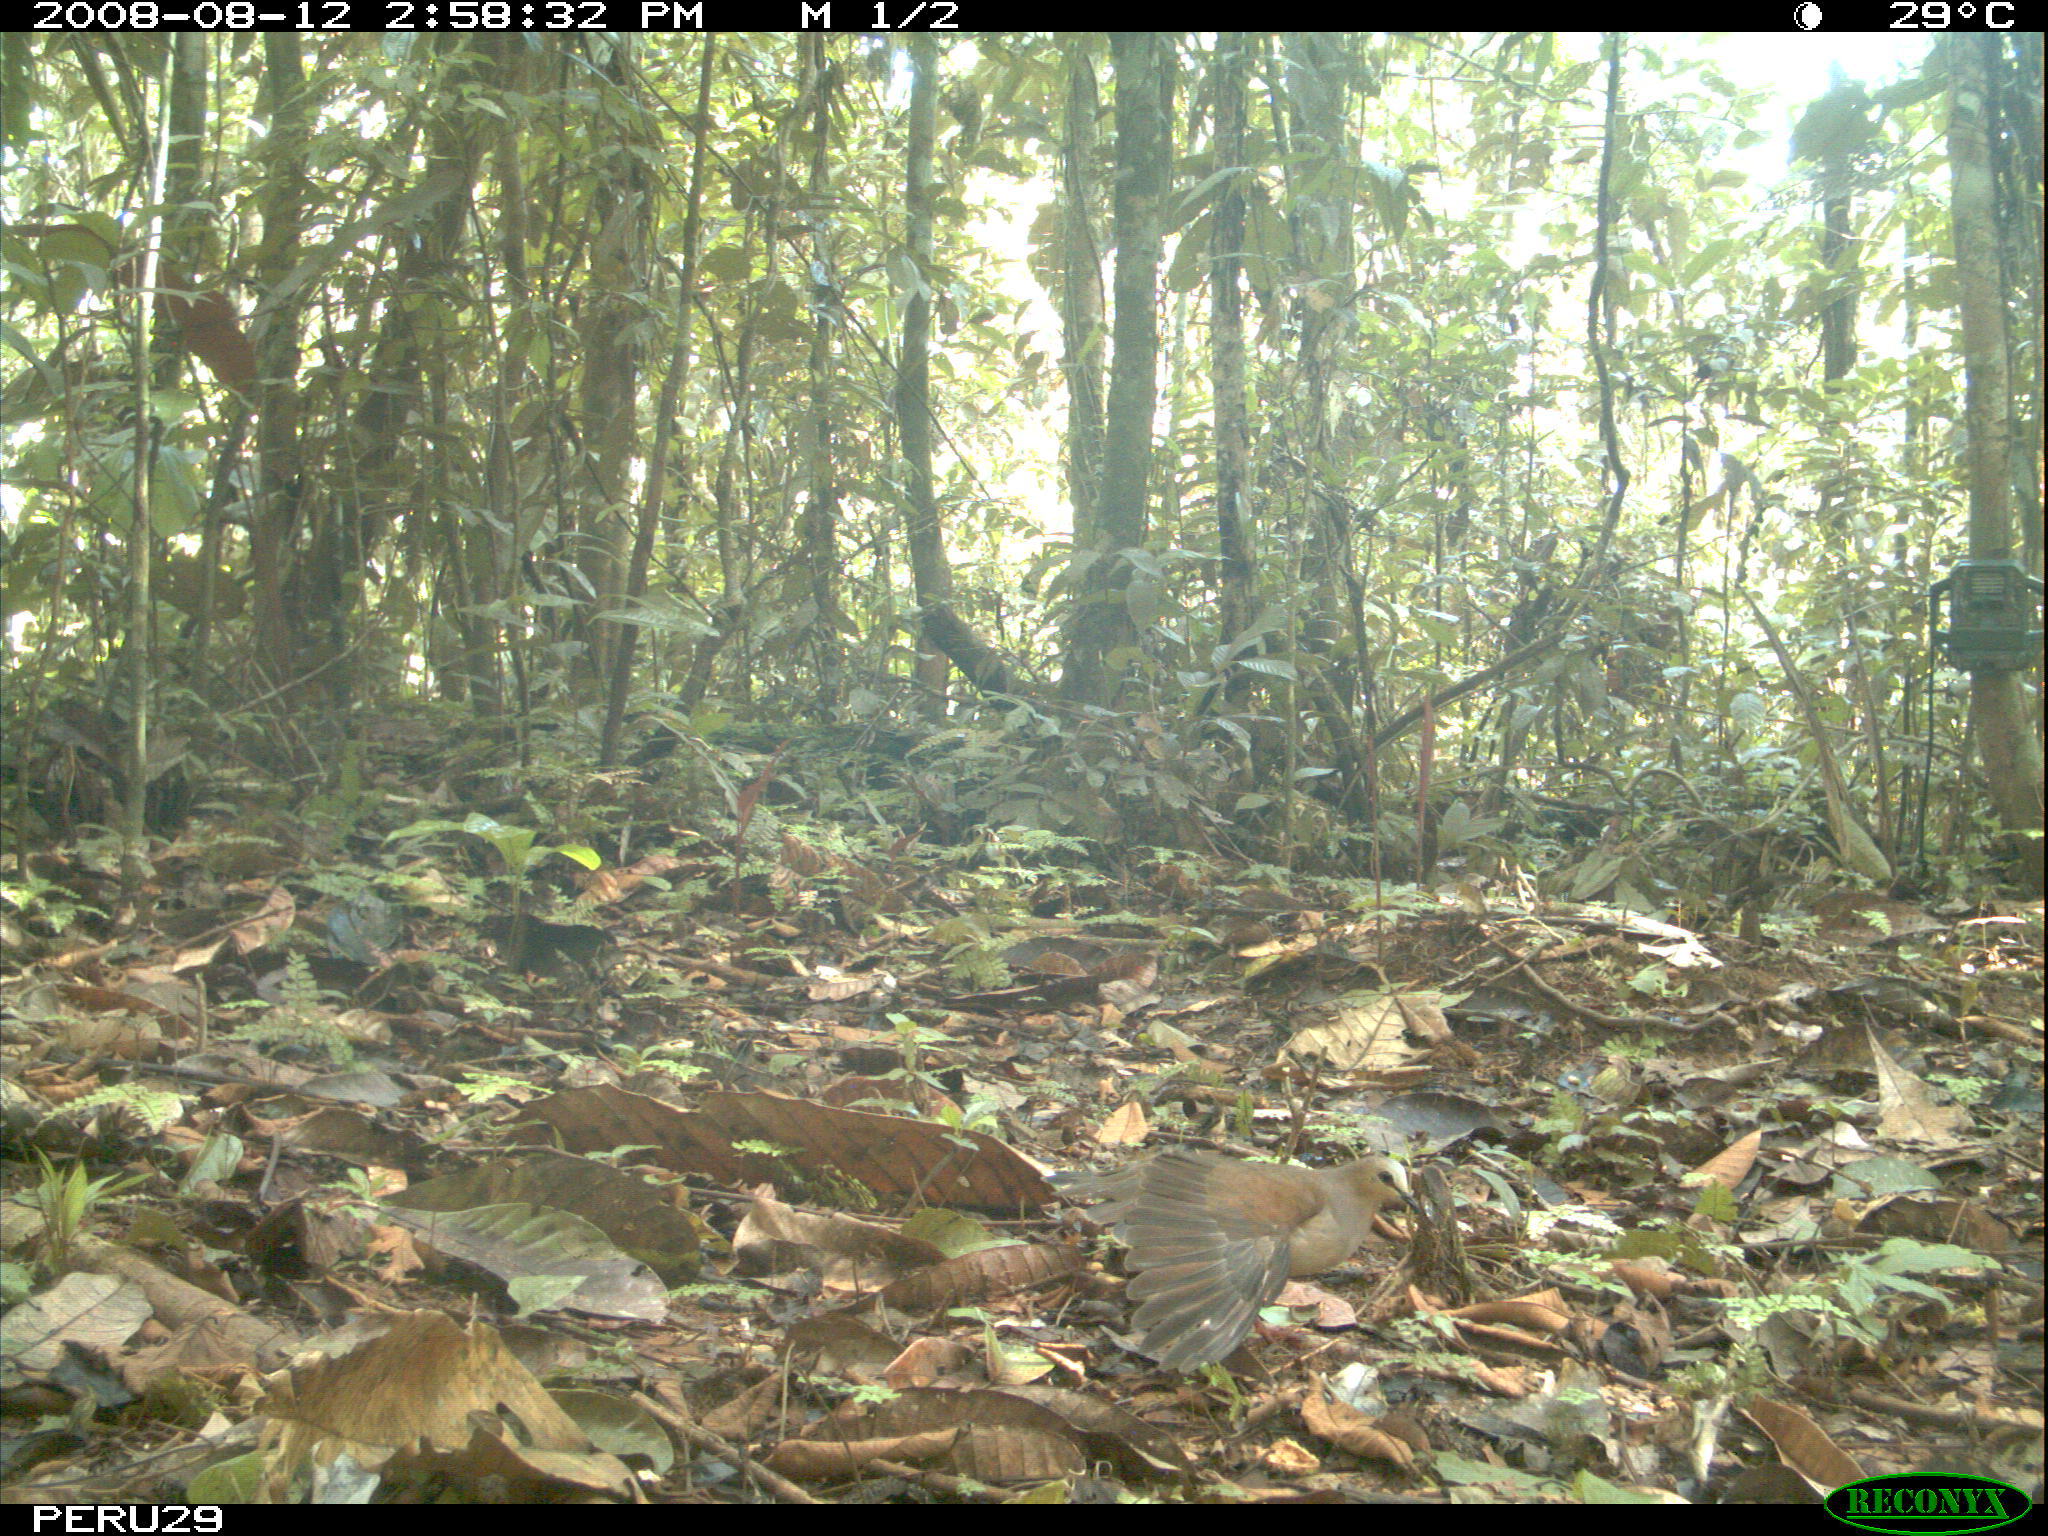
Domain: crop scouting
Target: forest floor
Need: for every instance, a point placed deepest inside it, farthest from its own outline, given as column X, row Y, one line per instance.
column 379, row 1152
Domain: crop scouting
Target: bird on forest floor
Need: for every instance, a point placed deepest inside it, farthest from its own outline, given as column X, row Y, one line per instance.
column 1213, row 1239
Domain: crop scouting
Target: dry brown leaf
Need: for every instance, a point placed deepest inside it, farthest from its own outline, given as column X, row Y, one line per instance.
column 1731, row 1165
column 1127, row 1126
column 774, row 1238
column 840, row 1344
column 421, row 1380
column 279, row 912
column 982, row 1274
column 899, row 1161
column 494, row 1458
column 1803, row 1445
column 1350, row 1430
column 843, row 1458
column 926, row 1361
column 1527, row 1313
column 744, row 1415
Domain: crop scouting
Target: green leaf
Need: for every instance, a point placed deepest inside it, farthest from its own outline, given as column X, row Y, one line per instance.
column 1272, row 666
column 1707, row 258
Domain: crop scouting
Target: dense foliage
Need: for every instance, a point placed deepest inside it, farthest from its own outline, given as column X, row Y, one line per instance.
column 1504, row 406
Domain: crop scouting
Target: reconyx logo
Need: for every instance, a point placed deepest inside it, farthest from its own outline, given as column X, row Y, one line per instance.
column 1942, row 1503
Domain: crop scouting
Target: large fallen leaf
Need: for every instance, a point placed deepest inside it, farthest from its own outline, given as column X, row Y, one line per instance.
column 423, row 1379
column 841, row 1156
column 851, row 1255
column 546, row 1258
column 628, row 1210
